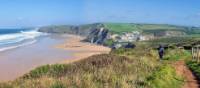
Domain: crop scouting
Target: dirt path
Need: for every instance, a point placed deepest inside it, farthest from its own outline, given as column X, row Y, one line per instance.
column 190, row 79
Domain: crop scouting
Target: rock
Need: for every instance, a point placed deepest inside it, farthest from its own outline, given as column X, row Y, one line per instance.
column 97, row 36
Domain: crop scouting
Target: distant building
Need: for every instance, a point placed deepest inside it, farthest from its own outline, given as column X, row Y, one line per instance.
column 131, row 37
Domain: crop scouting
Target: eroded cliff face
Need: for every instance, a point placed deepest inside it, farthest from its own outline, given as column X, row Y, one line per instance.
column 82, row 30
column 97, row 36
column 98, row 33
column 95, row 33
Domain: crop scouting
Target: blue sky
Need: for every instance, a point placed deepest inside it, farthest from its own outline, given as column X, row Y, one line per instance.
column 25, row 13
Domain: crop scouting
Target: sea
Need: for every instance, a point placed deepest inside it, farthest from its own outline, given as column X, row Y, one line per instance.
column 22, row 50
column 15, row 38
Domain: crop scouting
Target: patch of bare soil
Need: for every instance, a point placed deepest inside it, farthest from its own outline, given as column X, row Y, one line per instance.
column 190, row 79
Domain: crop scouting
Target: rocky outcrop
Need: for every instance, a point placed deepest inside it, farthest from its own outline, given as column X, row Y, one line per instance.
column 82, row 30
column 94, row 33
column 108, row 34
column 97, row 36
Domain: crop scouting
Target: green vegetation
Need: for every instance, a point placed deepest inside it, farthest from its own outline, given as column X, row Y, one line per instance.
column 129, row 27
column 120, row 28
column 192, row 30
column 194, row 66
column 177, row 54
column 175, row 41
column 149, row 28
column 122, row 68
column 109, row 42
column 82, row 30
column 165, row 77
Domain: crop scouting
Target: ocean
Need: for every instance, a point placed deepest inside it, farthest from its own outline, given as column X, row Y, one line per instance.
column 24, row 49
column 15, row 38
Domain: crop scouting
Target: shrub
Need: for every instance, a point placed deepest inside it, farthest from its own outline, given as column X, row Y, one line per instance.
column 194, row 66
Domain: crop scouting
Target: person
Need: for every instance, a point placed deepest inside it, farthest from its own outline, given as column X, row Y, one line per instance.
column 161, row 52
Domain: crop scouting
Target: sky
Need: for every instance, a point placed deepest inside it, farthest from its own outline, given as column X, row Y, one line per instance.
column 32, row 13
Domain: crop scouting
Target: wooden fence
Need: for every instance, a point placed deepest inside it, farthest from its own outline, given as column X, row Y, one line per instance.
column 196, row 53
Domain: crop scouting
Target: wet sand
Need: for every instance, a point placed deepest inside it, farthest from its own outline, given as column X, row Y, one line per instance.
column 47, row 50
column 16, row 62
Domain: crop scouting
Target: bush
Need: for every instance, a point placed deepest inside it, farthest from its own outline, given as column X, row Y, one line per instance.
column 109, row 42
column 194, row 66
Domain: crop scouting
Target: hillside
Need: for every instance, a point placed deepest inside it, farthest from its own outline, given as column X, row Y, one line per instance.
column 122, row 68
column 120, row 27
column 82, row 30
column 128, row 27
column 137, row 67
column 114, row 35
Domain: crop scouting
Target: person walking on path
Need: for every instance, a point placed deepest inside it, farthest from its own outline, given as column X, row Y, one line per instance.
column 161, row 52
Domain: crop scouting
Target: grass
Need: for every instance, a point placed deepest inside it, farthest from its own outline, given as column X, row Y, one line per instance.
column 194, row 66
column 164, row 77
column 122, row 68
column 177, row 54
column 120, row 27
column 129, row 27
column 175, row 41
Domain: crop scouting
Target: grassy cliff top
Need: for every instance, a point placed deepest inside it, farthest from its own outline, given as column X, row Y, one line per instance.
column 128, row 27
column 119, row 28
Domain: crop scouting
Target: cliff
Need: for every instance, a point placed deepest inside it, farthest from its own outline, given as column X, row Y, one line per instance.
column 95, row 33
column 97, row 36
column 82, row 30
column 108, row 33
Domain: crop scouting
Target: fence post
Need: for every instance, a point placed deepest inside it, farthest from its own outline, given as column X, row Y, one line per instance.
column 197, row 54
column 192, row 53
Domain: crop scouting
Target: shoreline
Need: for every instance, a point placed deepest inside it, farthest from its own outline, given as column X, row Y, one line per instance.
column 54, row 50
column 80, row 50
column 19, row 61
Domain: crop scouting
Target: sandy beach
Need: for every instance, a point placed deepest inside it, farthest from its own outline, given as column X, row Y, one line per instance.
column 81, row 50
column 48, row 50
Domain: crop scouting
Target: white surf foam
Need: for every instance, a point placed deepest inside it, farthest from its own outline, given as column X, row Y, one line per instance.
column 17, row 46
column 15, row 40
column 19, row 37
